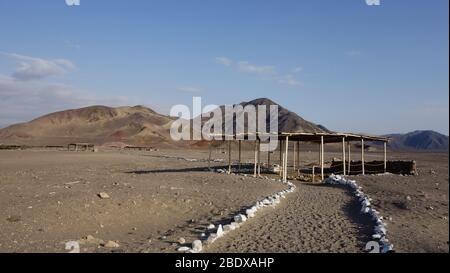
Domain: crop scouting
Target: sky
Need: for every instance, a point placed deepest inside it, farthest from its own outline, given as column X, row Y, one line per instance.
column 343, row 64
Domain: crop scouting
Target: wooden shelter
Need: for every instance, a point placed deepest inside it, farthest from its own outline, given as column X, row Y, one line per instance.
column 81, row 147
column 297, row 138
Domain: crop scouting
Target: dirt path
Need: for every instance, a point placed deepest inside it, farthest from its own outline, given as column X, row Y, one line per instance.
column 315, row 218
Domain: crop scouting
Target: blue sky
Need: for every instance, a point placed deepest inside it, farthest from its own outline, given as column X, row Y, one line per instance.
column 343, row 64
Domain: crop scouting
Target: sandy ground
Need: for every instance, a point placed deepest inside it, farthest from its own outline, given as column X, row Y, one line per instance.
column 315, row 218
column 416, row 206
column 51, row 197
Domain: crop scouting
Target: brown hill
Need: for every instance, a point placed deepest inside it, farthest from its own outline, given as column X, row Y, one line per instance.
column 136, row 125
column 287, row 121
column 95, row 124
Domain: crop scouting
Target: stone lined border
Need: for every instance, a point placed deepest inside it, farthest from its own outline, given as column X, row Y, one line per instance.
column 380, row 231
column 239, row 219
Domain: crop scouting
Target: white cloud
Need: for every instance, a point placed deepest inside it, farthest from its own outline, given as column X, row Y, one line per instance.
column 268, row 71
column 22, row 101
column 289, row 80
column 31, row 68
column 189, row 89
column 245, row 66
column 224, row 61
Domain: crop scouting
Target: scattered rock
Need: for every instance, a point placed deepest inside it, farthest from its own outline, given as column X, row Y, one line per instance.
column 408, row 198
column 240, row 218
column 92, row 240
column 181, row 241
column 14, row 219
column 111, row 244
column 401, row 205
column 211, row 226
column 227, row 228
column 183, row 249
column 220, row 232
column 197, row 245
column 103, row 195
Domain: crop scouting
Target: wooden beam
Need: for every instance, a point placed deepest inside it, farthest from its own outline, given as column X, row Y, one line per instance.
column 298, row 157
column 322, row 175
column 286, row 159
column 362, row 157
column 281, row 158
column 343, row 155
column 256, row 158
column 320, row 153
column 349, row 158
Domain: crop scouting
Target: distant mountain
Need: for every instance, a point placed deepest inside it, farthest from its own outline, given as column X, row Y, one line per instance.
column 95, row 124
column 136, row 125
column 287, row 121
column 419, row 140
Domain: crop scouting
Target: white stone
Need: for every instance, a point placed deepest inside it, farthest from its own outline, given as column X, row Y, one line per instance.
column 112, row 244
column 240, row 218
column 211, row 226
column 219, row 232
column 197, row 245
column 184, row 249
column 229, row 227
column 103, row 195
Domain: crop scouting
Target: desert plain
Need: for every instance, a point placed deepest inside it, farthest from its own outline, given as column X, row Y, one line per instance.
column 156, row 201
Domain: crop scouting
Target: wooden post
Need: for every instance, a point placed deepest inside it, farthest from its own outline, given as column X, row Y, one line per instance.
column 320, row 153
column 385, row 157
column 298, row 157
column 281, row 158
column 256, row 158
column 268, row 159
column 209, row 156
column 349, row 158
column 286, row 159
column 322, row 175
column 240, row 157
column 343, row 154
column 362, row 157
column 229, row 156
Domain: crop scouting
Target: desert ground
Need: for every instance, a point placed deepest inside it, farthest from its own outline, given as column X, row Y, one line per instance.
column 156, row 198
